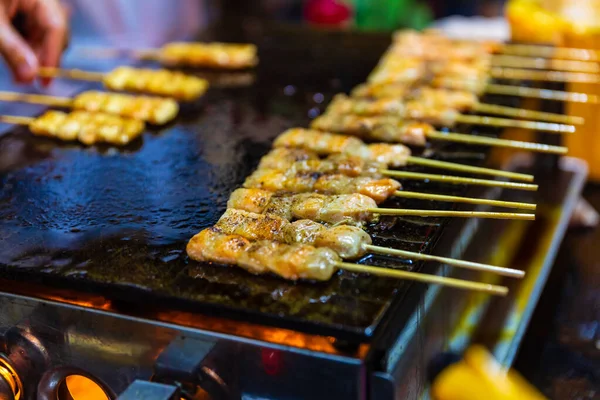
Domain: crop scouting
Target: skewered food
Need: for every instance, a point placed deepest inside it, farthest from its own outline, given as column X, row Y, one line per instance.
column 228, row 56
column 274, row 231
column 397, row 90
column 160, row 82
column 386, row 128
column 297, row 181
column 434, row 46
column 351, row 209
column 296, row 261
column 434, row 110
column 324, row 143
column 437, row 108
column 281, row 158
column 349, row 242
column 293, row 176
column 88, row 128
column 393, row 129
column 320, row 143
column 304, row 161
column 156, row 110
column 300, row 261
column 401, row 104
column 402, row 101
column 393, row 155
column 213, row 55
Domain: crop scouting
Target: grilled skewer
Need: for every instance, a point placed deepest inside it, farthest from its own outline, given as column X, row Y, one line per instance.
column 154, row 110
column 351, row 209
column 397, row 89
column 433, row 111
column 386, row 109
column 391, row 69
column 402, row 102
column 476, row 47
column 349, row 242
column 551, row 52
column 87, row 128
column 340, row 174
column 196, row 54
column 392, row 129
column 294, row 181
column 299, row 261
column 544, row 63
column 440, row 51
column 392, row 155
column 159, row 82
column 410, row 60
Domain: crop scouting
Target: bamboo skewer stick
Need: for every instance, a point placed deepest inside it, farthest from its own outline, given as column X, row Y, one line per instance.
column 16, row 120
column 450, row 213
column 513, row 273
column 512, row 144
column 546, row 76
column 545, row 63
column 459, row 180
column 510, row 123
column 563, row 53
column 524, row 114
column 544, row 94
column 527, row 114
column 467, row 200
column 424, row 278
column 450, row 166
column 76, row 74
column 521, row 91
column 52, row 101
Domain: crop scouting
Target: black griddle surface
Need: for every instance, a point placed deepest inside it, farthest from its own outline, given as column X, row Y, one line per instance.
column 116, row 221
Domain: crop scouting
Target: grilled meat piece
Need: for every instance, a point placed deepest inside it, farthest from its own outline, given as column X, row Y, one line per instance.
column 333, row 209
column 385, row 128
column 212, row 55
column 160, row 82
column 88, row 128
column 324, row 143
column 295, row 261
column 155, row 110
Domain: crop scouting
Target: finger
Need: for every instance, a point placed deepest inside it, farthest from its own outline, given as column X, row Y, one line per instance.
column 52, row 20
column 17, row 53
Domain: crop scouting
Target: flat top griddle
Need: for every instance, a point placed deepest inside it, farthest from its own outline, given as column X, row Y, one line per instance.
column 116, row 221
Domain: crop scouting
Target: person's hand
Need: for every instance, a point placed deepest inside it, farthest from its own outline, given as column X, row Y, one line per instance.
column 41, row 39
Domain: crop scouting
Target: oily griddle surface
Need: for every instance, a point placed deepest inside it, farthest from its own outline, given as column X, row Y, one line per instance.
column 116, row 221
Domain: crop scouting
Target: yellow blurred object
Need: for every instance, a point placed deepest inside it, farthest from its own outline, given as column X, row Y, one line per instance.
column 479, row 377
column 572, row 24
column 585, row 143
column 530, row 22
